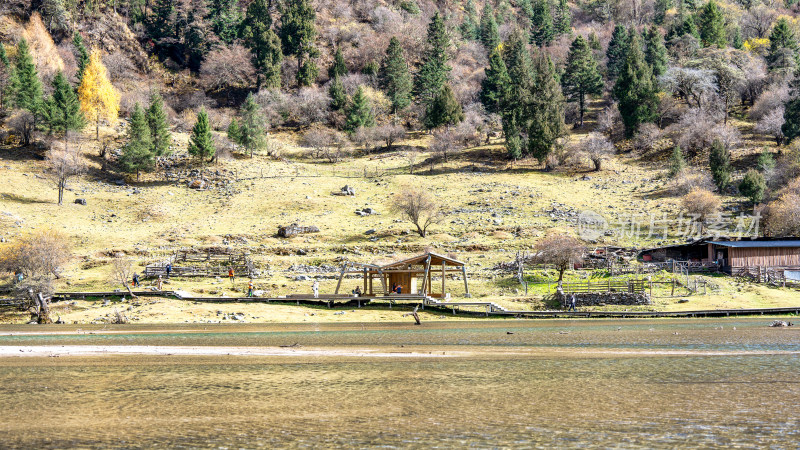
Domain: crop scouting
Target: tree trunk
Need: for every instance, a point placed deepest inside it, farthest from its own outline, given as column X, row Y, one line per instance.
column 60, row 192
column 97, row 129
column 581, row 107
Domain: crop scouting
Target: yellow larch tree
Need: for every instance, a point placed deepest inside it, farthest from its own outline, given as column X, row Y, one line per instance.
column 99, row 100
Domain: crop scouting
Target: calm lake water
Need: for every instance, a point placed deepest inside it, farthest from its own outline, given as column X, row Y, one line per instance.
column 648, row 383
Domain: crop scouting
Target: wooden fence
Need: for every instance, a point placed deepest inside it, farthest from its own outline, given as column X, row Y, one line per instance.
column 589, row 286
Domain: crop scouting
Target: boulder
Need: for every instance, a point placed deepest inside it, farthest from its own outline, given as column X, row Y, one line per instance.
column 781, row 323
column 295, row 229
column 368, row 232
column 197, row 184
column 80, row 201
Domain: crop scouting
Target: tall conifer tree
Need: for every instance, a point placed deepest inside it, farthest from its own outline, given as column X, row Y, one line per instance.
column 712, row 25
column 434, row 70
column 159, row 128
column 581, row 76
column 490, row 36
column 395, row 78
column 542, row 31
column 137, row 155
column 62, row 111
column 546, row 110
column 201, row 144
column 634, row 90
column 496, row 83
column 339, row 67
column 359, row 113
column 27, row 88
column 617, row 49
column 263, row 43
column 298, row 33
column 655, row 53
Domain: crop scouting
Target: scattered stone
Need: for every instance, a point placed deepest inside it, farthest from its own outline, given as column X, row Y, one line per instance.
column 80, row 201
column 781, row 323
column 197, row 184
column 345, row 190
column 368, row 232
column 683, row 300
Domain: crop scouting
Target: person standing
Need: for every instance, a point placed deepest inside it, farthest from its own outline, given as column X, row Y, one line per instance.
column 169, row 268
column 231, row 276
column 572, row 303
column 250, row 289
column 136, row 280
column 315, row 288
column 159, row 283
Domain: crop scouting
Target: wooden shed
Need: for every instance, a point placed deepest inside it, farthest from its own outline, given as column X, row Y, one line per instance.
column 413, row 275
column 767, row 254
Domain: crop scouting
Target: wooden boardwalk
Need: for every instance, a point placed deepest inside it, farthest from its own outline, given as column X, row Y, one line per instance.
column 474, row 308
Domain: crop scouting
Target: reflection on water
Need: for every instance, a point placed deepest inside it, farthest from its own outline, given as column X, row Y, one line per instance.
column 574, row 398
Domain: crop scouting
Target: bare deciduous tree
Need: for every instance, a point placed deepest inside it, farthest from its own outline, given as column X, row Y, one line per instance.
column 444, row 142
column 559, row 250
column 410, row 157
column 64, row 164
column 22, row 122
column 702, row 204
column 693, row 85
column 227, row 67
column 390, row 134
column 597, row 148
column 419, row 207
column 771, row 124
column 122, row 269
column 324, row 143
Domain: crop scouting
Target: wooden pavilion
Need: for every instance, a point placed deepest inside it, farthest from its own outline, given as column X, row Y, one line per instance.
column 413, row 275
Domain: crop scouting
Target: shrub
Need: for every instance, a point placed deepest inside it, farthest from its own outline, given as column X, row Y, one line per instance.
column 753, row 186
column 688, row 180
column 701, row 203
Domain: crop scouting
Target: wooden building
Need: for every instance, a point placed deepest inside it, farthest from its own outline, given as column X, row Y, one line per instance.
column 731, row 255
column 413, row 275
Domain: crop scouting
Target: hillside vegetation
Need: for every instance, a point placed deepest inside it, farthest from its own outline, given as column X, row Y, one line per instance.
column 212, row 123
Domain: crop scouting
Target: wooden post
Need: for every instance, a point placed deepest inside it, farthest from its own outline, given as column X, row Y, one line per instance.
column 365, row 280
column 466, row 285
column 444, row 275
column 341, row 275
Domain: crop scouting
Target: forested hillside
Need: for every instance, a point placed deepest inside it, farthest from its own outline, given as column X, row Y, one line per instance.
column 707, row 91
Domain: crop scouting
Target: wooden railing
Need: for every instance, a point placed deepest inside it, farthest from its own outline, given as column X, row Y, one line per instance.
column 589, row 286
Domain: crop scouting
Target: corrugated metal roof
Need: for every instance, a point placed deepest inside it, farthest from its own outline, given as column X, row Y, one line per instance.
column 756, row 244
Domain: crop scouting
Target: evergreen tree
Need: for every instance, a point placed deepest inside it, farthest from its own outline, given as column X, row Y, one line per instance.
column 225, row 19
column 765, row 161
column 503, row 12
column 201, row 144
column 338, row 68
column 470, row 29
column 514, row 106
column 782, row 45
column 395, row 79
column 490, row 36
column 337, row 94
column 433, row 72
column 298, row 33
column 581, row 75
column 546, row 110
column 736, row 39
column 676, row 162
column 197, row 32
column 359, row 113
column 159, row 128
column 253, row 129
column 791, row 114
column 563, row 22
column 661, row 8
column 719, row 161
column 62, row 111
column 4, row 62
column 445, row 110
column 234, row 132
column 136, row 154
column 27, row 87
column 594, row 42
column 634, row 89
column 617, row 49
column 712, row 25
column 495, row 85
column 161, row 26
column 542, row 32
column 526, row 8
column 689, row 26
column 263, row 43
column 82, row 56
column 753, row 186
column 655, row 53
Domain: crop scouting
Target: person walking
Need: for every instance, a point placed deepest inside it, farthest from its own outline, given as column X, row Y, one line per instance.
column 315, row 288
column 572, row 303
column 250, row 289
column 169, row 269
column 159, row 283
column 231, row 276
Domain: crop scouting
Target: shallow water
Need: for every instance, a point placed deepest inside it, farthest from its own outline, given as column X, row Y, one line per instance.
column 550, row 383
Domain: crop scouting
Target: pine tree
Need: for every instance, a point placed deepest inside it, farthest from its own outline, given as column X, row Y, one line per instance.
column 546, row 110
column 542, row 32
column 617, row 49
column 470, row 29
column 503, row 12
column 434, row 70
column 339, row 67
column 719, row 161
column 359, row 112
column 137, row 155
column 791, row 114
column 298, row 33
column 161, row 27
column 62, row 111
column 201, row 144
column 490, row 36
column 514, row 106
column 99, row 100
column 594, row 42
column 4, row 62
column 676, row 162
column 253, row 129
column 581, row 76
column 563, row 22
column 655, row 53
column 337, row 94
column 445, row 110
column 712, row 25
column 782, row 45
column 526, row 8
column 495, row 85
column 27, row 87
column 82, row 56
column 736, row 39
column 395, row 79
column 234, row 133
column 197, row 33
column 689, row 27
column 634, row 89
column 159, row 128
column 225, row 19
column 263, row 43
column 753, row 186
